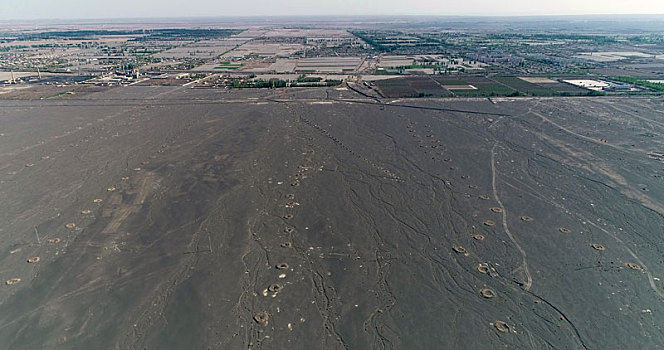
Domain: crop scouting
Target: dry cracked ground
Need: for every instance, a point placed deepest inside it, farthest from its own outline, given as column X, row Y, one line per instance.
column 174, row 218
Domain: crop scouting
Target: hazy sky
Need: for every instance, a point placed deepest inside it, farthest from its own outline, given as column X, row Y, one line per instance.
column 75, row 9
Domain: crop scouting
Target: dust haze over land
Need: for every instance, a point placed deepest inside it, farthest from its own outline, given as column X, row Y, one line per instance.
column 317, row 218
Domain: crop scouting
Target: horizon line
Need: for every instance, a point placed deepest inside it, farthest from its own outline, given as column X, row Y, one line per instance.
column 337, row 16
